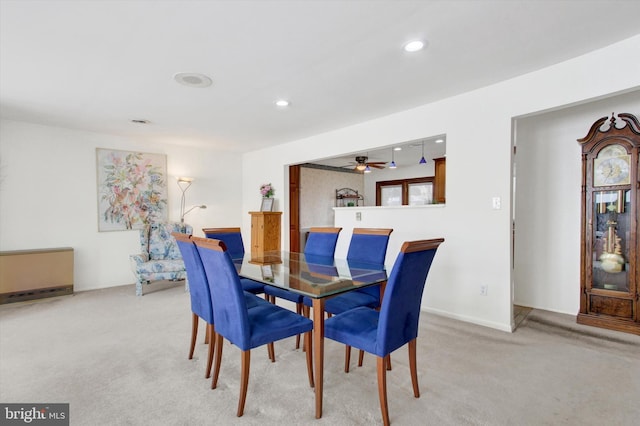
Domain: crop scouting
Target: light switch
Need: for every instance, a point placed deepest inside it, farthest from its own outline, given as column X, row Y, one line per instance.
column 358, row 216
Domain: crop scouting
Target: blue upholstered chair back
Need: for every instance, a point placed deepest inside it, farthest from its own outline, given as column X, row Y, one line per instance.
column 400, row 311
column 229, row 305
column 198, row 285
column 322, row 241
column 368, row 248
column 232, row 238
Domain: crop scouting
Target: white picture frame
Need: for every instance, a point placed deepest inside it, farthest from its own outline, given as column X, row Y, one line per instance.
column 267, row 205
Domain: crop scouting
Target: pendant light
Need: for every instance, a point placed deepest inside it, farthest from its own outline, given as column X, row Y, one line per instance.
column 367, row 169
column 393, row 163
column 422, row 160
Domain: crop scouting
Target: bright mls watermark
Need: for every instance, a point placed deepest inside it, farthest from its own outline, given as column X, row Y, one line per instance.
column 34, row 414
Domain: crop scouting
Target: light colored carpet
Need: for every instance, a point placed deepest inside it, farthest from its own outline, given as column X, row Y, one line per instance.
column 119, row 359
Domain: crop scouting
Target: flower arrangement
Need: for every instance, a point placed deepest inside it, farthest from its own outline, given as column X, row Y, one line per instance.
column 266, row 190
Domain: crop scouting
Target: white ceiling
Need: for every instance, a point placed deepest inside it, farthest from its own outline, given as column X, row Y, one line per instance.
column 96, row 65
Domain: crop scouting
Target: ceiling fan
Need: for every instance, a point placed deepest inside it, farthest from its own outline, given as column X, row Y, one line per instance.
column 362, row 163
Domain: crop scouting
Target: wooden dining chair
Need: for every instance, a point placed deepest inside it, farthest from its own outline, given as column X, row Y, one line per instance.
column 232, row 238
column 243, row 327
column 380, row 332
column 200, row 295
column 201, row 298
column 321, row 242
column 367, row 245
column 367, row 250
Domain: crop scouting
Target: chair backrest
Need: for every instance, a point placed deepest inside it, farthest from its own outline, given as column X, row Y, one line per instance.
column 157, row 242
column 400, row 311
column 198, row 285
column 322, row 241
column 232, row 238
column 369, row 245
column 229, row 305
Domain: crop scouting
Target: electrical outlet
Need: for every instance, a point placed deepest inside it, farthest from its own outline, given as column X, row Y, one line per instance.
column 496, row 203
column 483, row 289
column 358, row 216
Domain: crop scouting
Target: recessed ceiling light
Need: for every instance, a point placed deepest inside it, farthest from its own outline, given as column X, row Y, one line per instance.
column 193, row 79
column 414, row 46
column 439, row 140
column 282, row 103
column 397, row 148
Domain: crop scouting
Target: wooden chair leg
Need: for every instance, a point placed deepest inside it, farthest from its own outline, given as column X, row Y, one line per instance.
column 308, row 343
column 211, row 334
column 206, row 336
column 347, row 357
column 382, row 389
column 360, row 358
column 244, row 380
column 388, row 359
column 412, row 368
column 306, row 312
column 299, row 312
column 271, row 352
column 216, row 369
column 194, row 333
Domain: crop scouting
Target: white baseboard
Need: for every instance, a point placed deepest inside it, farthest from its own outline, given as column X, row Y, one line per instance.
column 473, row 320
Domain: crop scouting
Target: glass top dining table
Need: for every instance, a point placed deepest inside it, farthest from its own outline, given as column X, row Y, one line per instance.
column 317, row 277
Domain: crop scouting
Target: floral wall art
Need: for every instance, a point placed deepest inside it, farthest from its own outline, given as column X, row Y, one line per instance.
column 132, row 189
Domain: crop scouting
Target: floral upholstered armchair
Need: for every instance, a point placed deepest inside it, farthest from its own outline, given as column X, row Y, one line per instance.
column 160, row 258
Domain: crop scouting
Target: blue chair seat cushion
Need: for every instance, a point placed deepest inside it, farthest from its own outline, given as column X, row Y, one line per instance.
column 269, row 323
column 351, row 300
column 282, row 294
column 357, row 327
column 252, row 300
column 252, row 286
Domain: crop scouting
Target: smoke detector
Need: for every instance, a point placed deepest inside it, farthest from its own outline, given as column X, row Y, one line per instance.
column 193, row 79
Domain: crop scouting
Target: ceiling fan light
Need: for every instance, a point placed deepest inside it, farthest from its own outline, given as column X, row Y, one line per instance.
column 361, row 167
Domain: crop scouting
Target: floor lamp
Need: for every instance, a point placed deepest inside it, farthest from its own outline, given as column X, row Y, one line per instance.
column 184, row 183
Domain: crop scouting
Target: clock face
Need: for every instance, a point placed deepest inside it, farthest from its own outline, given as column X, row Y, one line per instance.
column 611, row 171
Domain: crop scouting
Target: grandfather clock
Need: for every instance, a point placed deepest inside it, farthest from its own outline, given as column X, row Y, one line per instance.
column 610, row 248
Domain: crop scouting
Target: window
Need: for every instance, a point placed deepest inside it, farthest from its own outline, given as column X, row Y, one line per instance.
column 405, row 192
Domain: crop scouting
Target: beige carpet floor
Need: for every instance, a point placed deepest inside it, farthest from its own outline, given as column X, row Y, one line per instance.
column 119, row 359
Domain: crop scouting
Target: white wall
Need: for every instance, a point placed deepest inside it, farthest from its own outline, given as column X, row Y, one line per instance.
column 48, row 196
column 478, row 126
column 547, row 206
